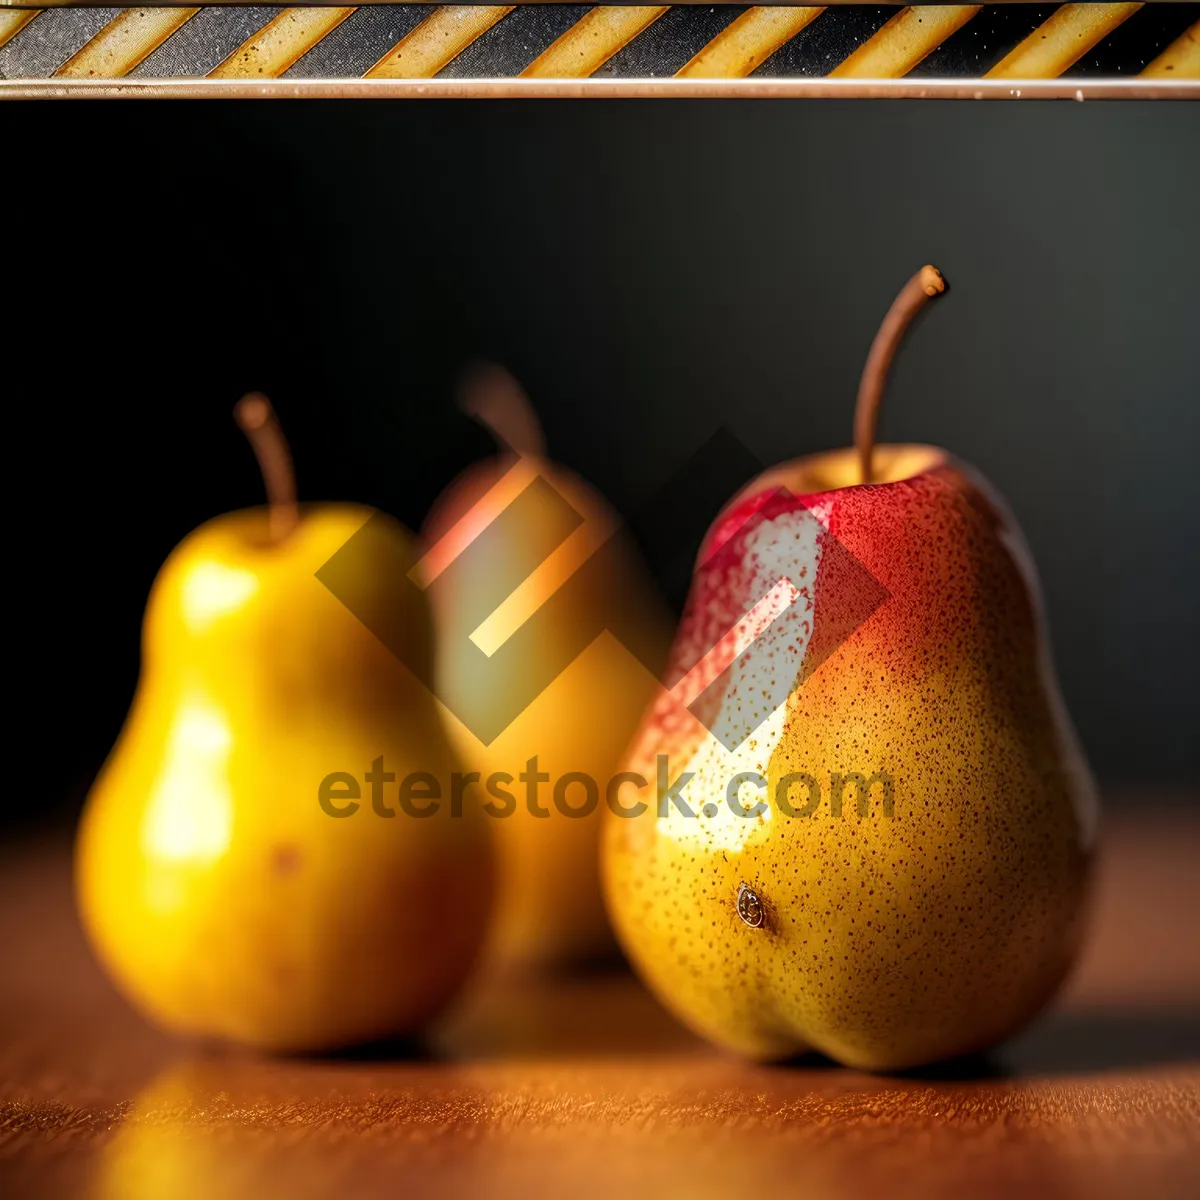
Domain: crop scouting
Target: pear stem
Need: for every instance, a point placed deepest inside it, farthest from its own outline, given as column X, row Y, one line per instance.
column 497, row 401
column 923, row 286
column 256, row 419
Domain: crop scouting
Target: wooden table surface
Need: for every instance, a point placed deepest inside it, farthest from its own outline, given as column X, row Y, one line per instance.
column 585, row 1087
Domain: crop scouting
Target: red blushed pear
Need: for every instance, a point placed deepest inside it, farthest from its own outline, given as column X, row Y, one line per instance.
column 910, row 881
column 221, row 895
column 544, row 616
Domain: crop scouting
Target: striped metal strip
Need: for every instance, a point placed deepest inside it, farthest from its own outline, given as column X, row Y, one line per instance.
column 209, row 38
column 13, row 21
column 578, row 41
column 1180, row 60
column 746, row 44
column 124, row 42
column 910, row 36
column 1061, row 41
column 437, row 41
column 670, row 43
column 591, row 42
column 359, row 42
column 506, row 49
column 46, row 42
column 280, row 43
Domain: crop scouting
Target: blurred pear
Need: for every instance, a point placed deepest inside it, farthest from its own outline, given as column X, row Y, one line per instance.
column 549, row 639
column 215, row 884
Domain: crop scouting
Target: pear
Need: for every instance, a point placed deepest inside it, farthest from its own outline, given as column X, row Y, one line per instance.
column 225, row 875
column 529, row 576
column 889, row 857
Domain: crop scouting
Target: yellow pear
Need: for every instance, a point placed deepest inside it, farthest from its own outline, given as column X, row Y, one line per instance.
column 528, row 576
column 893, row 821
column 234, row 872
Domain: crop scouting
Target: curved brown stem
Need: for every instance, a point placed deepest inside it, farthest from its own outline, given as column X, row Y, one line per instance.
column 496, row 400
column 256, row 419
column 925, row 284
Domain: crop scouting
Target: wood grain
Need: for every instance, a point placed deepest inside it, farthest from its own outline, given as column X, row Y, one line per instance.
column 586, row 1087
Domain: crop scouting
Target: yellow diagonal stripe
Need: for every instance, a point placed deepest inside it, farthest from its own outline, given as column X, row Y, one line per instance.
column 1180, row 60
column 11, row 23
column 279, row 43
column 1061, row 41
column 591, row 42
column 904, row 41
column 748, row 42
column 437, row 41
column 124, row 42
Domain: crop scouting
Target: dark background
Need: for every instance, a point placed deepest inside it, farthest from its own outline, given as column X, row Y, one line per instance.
column 651, row 272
